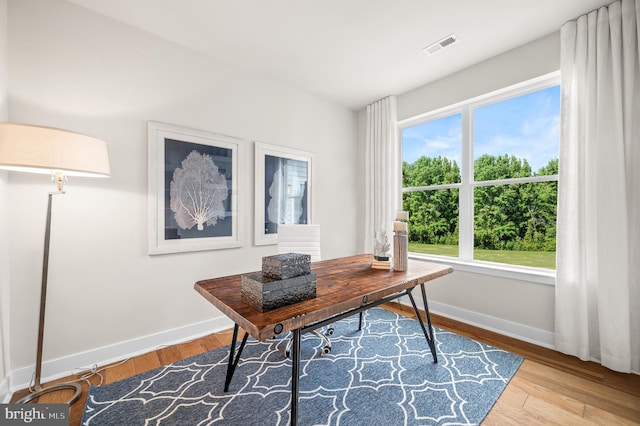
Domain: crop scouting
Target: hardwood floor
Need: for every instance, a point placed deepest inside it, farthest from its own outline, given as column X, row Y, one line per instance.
column 549, row 388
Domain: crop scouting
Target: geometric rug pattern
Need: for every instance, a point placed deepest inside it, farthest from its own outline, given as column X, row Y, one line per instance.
column 382, row 375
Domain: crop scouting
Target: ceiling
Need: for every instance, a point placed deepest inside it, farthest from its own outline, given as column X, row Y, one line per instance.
column 351, row 52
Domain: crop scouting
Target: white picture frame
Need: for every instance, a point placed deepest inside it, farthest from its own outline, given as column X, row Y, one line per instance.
column 176, row 157
column 297, row 205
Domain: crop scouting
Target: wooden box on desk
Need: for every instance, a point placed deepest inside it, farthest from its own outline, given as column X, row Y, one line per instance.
column 264, row 294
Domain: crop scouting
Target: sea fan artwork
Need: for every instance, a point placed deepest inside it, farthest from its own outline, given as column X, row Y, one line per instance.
column 287, row 190
column 283, row 209
column 197, row 192
column 277, row 207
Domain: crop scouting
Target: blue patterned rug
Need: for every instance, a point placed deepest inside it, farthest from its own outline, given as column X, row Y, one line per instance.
column 383, row 375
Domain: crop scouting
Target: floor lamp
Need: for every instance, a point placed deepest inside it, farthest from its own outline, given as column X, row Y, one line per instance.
column 58, row 153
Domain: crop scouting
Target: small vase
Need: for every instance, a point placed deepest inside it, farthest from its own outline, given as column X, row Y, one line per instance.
column 400, row 251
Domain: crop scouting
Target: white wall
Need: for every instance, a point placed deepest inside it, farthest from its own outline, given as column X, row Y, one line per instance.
column 74, row 69
column 516, row 307
column 532, row 60
column 4, row 224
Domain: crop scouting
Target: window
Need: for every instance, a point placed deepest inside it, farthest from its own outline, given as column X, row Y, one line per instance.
column 480, row 178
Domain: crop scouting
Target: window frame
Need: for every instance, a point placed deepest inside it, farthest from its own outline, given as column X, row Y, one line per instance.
column 465, row 260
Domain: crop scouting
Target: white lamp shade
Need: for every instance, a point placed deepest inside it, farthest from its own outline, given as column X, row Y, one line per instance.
column 47, row 150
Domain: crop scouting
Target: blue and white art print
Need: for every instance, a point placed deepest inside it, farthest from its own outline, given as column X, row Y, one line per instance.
column 193, row 189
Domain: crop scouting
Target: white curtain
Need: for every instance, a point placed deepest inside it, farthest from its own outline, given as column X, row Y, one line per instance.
column 598, row 257
column 383, row 173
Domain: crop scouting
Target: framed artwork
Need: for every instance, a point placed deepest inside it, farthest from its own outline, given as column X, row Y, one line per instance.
column 283, row 190
column 193, row 190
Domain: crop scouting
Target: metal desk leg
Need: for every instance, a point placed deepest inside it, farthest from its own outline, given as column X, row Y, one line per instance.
column 233, row 361
column 295, row 374
column 432, row 341
column 428, row 335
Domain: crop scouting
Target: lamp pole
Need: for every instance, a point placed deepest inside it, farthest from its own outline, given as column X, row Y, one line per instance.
column 38, row 390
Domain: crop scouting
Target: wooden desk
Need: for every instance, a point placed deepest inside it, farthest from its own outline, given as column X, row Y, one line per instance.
column 345, row 286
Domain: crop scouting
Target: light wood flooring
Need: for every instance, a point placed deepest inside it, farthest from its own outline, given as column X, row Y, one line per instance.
column 549, row 388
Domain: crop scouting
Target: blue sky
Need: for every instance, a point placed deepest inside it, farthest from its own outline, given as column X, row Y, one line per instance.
column 527, row 126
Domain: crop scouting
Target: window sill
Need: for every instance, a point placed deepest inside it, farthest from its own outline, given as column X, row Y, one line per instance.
column 522, row 273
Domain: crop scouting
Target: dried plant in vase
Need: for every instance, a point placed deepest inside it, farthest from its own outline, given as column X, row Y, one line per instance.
column 382, row 246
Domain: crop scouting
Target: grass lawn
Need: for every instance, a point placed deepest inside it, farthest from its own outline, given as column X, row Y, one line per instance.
column 538, row 259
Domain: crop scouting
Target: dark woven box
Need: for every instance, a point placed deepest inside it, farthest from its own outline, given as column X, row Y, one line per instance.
column 286, row 265
column 264, row 294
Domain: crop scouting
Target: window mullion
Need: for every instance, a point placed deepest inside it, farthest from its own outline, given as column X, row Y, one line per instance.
column 465, row 237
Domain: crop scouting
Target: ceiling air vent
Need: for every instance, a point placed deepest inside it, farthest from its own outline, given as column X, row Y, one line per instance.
column 440, row 44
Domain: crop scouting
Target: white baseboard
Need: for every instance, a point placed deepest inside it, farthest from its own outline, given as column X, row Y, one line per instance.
column 72, row 364
column 75, row 363
column 519, row 331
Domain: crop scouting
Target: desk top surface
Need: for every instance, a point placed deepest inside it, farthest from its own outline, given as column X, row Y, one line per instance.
column 342, row 284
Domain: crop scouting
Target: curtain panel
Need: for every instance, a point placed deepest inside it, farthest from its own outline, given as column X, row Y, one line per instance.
column 383, row 179
column 597, row 313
